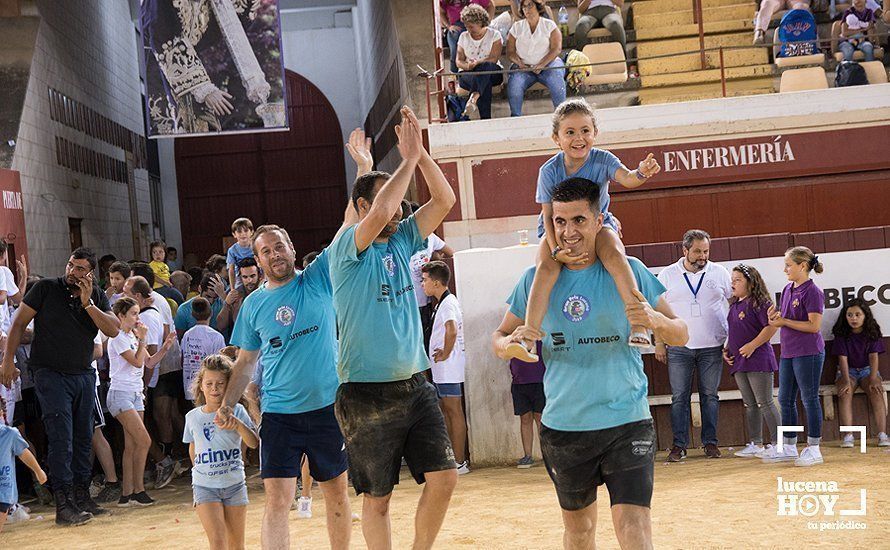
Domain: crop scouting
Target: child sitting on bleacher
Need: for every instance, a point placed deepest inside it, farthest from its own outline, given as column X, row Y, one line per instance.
column 857, row 25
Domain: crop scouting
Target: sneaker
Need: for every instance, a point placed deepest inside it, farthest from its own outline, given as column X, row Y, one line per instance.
column 110, row 493
column 766, row 449
column 749, row 451
column 848, row 442
column 883, row 440
column 124, row 501
column 712, row 451
column 179, row 468
column 18, row 514
column 809, row 456
column 141, row 499
column 304, row 507
column 787, row 454
column 463, row 468
column 525, row 462
column 166, row 469
column 677, row 454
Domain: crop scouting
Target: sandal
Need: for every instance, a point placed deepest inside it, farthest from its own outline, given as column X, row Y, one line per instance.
column 639, row 340
column 515, row 350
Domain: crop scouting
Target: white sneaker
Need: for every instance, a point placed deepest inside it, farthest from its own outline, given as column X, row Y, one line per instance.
column 749, row 451
column 463, row 468
column 809, row 456
column 847, row 443
column 304, row 507
column 883, row 440
column 766, row 449
column 787, row 454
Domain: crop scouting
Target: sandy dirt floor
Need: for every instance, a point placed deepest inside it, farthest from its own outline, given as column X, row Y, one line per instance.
column 698, row 503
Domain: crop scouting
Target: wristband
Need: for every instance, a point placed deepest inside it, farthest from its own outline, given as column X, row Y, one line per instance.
column 640, row 175
column 555, row 251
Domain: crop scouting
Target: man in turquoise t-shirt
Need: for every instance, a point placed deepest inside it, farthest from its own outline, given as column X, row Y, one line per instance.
column 597, row 428
column 386, row 408
column 290, row 321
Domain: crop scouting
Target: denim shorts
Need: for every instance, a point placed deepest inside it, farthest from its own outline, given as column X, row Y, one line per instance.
column 233, row 495
column 6, row 507
column 856, row 375
column 448, row 390
column 119, row 401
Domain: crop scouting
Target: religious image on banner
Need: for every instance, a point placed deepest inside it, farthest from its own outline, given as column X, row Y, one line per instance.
column 212, row 66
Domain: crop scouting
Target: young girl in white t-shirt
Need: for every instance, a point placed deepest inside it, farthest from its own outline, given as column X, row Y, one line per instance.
column 127, row 358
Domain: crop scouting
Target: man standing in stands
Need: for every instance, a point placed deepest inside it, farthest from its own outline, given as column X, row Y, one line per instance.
column 698, row 291
column 67, row 312
column 385, row 406
column 249, row 276
column 597, row 428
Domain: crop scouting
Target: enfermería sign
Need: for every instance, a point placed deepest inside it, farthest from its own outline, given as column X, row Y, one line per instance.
column 774, row 151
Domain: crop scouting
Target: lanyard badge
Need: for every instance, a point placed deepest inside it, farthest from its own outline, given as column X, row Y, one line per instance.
column 695, row 306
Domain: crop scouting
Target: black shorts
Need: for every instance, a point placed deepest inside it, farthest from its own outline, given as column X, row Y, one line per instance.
column 285, row 438
column 169, row 385
column 622, row 457
column 382, row 422
column 528, row 398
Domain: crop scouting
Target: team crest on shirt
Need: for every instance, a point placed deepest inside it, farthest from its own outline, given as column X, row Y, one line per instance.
column 795, row 303
column 576, row 308
column 741, row 315
column 209, row 431
column 389, row 264
column 284, row 315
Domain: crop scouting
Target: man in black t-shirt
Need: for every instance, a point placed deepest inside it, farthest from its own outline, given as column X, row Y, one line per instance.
column 67, row 313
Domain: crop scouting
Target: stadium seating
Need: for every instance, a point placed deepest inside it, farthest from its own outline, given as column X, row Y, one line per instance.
column 613, row 73
column 875, row 71
column 799, row 80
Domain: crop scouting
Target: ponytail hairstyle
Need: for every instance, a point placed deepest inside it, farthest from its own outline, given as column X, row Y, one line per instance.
column 802, row 254
column 870, row 327
column 215, row 362
column 760, row 297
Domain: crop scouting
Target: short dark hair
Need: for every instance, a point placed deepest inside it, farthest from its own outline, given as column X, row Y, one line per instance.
column 141, row 286
column 200, row 308
column 438, row 271
column 120, row 267
column 157, row 244
column 242, row 223
column 577, row 189
column 84, row 253
column 365, row 184
column 694, row 235
column 247, row 262
column 196, row 273
column 107, row 258
column 206, row 280
column 215, row 263
column 171, row 249
column 123, row 305
column 142, row 269
column 3, row 247
column 309, row 258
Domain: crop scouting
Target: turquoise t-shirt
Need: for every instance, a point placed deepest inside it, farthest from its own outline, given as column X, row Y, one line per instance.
column 594, row 380
column 295, row 330
column 184, row 320
column 381, row 339
column 600, row 168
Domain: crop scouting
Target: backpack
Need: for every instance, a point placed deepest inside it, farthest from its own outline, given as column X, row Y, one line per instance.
column 798, row 26
column 850, row 73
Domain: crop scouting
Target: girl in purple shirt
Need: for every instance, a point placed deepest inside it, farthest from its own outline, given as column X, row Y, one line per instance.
column 803, row 352
column 857, row 343
column 750, row 356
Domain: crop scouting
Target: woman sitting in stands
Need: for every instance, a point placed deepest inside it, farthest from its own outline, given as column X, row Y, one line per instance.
column 765, row 14
column 534, row 45
column 478, row 49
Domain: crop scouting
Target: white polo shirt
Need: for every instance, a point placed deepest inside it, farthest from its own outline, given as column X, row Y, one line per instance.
column 451, row 370
column 705, row 311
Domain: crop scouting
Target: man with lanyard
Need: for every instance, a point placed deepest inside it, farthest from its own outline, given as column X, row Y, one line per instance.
column 67, row 312
column 385, row 406
column 291, row 322
column 698, row 291
column 597, row 428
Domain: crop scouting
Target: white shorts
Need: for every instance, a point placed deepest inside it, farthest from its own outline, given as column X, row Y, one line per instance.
column 119, row 401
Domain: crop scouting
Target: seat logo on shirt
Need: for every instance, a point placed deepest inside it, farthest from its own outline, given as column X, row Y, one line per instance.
column 385, row 290
column 576, row 308
column 389, row 264
column 209, row 431
column 285, row 316
column 559, row 338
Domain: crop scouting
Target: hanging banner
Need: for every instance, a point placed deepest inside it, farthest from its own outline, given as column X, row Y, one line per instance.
column 212, row 67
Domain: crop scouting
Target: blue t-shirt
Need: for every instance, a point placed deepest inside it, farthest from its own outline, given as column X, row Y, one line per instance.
column 600, row 167
column 381, row 339
column 295, row 329
column 218, row 462
column 235, row 254
column 184, row 320
column 12, row 444
column 594, row 380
